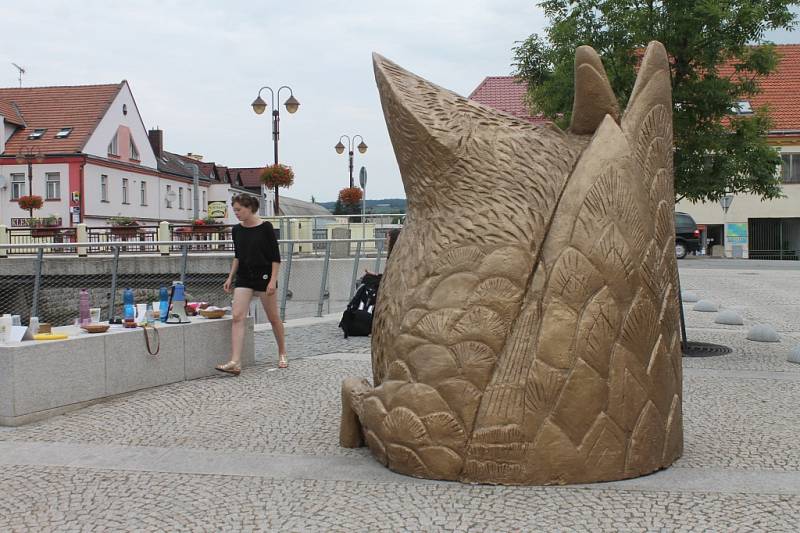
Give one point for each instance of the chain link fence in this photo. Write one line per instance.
(48, 284)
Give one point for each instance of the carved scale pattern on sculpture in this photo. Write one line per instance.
(527, 324)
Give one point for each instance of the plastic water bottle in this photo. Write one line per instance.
(129, 311)
(163, 304)
(83, 307)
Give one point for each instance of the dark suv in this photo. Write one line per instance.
(687, 236)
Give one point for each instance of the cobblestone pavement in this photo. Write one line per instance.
(259, 452)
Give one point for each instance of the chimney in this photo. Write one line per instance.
(196, 157)
(156, 141)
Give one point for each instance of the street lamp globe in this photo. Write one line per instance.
(291, 104)
(362, 148)
(339, 148)
(259, 105)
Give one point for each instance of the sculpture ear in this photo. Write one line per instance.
(594, 98)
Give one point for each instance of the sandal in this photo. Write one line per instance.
(282, 363)
(230, 368)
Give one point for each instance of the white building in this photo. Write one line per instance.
(86, 152)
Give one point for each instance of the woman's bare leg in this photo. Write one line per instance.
(241, 304)
(270, 303)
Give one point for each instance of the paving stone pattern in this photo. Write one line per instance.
(740, 470)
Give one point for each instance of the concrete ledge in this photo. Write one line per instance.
(42, 379)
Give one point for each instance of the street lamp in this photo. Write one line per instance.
(29, 155)
(725, 202)
(362, 149)
(259, 106)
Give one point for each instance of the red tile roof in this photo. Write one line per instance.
(251, 176)
(79, 107)
(506, 94)
(10, 113)
(778, 90)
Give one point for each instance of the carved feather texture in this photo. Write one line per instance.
(529, 335)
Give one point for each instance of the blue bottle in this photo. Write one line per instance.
(128, 308)
(163, 304)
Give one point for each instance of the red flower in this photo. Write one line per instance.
(350, 195)
(30, 202)
(277, 176)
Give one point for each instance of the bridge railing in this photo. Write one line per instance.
(46, 279)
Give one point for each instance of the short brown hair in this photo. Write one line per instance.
(245, 200)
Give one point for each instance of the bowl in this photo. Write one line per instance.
(217, 313)
(95, 328)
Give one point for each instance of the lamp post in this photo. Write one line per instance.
(362, 149)
(29, 155)
(259, 106)
(725, 202)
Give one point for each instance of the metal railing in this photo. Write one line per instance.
(47, 286)
(309, 232)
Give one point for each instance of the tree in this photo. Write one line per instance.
(717, 55)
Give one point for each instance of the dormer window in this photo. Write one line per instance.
(112, 146)
(63, 133)
(134, 151)
(38, 133)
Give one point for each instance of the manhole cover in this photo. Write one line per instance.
(704, 349)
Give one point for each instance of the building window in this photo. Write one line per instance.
(125, 190)
(143, 191)
(180, 197)
(169, 190)
(103, 188)
(37, 133)
(203, 203)
(53, 191)
(18, 187)
(790, 168)
(134, 151)
(112, 146)
(63, 133)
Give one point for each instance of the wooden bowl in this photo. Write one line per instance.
(217, 313)
(95, 328)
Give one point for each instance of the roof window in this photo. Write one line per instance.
(63, 133)
(38, 133)
(743, 107)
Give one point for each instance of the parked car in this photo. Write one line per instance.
(687, 236)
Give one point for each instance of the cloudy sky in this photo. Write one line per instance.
(195, 67)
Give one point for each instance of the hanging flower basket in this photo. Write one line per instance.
(277, 176)
(350, 195)
(29, 203)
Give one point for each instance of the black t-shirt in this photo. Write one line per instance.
(256, 248)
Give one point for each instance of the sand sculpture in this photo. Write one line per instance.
(527, 327)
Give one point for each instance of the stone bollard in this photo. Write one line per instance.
(163, 235)
(4, 239)
(689, 297)
(729, 317)
(704, 306)
(763, 333)
(81, 235)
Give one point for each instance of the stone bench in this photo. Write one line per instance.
(39, 379)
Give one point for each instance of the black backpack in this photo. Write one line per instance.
(357, 318)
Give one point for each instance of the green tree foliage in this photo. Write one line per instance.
(717, 54)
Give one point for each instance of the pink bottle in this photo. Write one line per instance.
(83, 307)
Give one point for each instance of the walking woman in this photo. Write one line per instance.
(254, 270)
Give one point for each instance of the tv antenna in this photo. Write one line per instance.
(21, 72)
